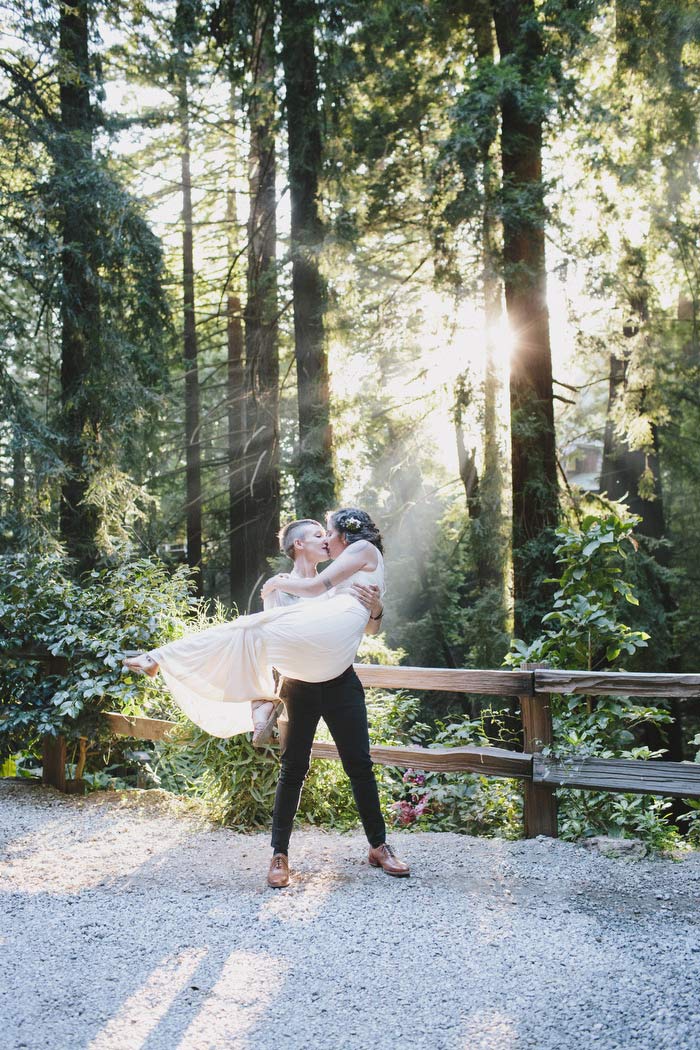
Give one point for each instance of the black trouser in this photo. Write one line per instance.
(341, 704)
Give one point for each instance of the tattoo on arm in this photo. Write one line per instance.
(328, 585)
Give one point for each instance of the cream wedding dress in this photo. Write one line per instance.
(214, 675)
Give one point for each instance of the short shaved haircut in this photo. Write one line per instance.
(295, 530)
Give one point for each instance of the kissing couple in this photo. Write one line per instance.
(223, 678)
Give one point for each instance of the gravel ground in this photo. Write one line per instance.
(127, 921)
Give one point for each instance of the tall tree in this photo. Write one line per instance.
(491, 548)
(246, 35)
(82, 310)
(185, 29)
(262, 353)
(315, 488)
(534, 475)
(233, 28)
(633, 474)
(81, 350)
(236, 397)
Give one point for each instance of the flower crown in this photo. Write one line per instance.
(351, 525)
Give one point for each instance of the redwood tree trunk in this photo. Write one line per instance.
(262, 355)
(236, 420)
(80, 305)
(535, 499)
(193, 454)
(492, 548)
(315, 476)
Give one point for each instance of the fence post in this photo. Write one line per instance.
(54, 762)
(540, 804)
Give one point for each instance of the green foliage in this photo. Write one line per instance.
(133, 605)
(374, 649)
(586, 813)
(467, 615)
(84, 318)
(236, 779)
(584, 630)
(425, 801)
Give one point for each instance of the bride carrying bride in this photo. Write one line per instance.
(215, 675)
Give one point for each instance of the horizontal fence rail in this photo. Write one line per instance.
(617, 683)
(138, 727)
(530, 685)
(491, 683)
(489, 761)
(676, 779)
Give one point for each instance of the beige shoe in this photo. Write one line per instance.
(142, 663)
(384, 857)
(278, 875)
(262, 733)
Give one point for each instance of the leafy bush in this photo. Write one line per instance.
(586, 813)
(238, 781)
(586, 631)
(133, 605)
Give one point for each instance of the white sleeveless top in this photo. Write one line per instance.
(366, 577)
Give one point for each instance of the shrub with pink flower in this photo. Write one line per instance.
(416, 801)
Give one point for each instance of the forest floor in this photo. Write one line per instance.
(128, 921)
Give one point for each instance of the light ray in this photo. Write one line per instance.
(142, 1012)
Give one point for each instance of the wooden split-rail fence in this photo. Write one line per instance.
(541, 772)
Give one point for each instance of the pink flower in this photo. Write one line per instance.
(405, 813)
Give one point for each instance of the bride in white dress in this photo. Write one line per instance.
(213, 676)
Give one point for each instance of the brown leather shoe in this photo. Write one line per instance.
(384, 857)
(278, 875)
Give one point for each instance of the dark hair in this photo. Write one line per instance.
(356, 525)
(292, 532)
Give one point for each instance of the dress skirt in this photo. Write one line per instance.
(214, 675)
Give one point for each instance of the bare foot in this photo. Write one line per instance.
(143, 664)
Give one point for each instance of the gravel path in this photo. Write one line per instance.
(127, 921)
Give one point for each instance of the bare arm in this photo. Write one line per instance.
(353, 559)
(370, 596)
